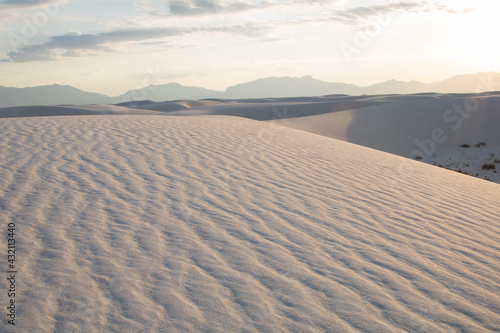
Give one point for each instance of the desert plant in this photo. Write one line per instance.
(479, 144)
(419, 158)
(489, 166)
(465, 145)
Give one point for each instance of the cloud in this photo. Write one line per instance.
(20, 3)
(190, 8)
(76, 44)
(208, 7)
(350, 16)
(71, 42)
(33, 53)
(29, 3)
(359, 15)
(77, 40)
(4, 58)
(146, 8)
(187, 8)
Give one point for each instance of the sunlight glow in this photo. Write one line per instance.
(473, 38)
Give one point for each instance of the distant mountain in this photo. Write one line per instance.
(396, 87)
(479, 82)
(167, 92)
(472, 83)
(261, 88)
(49, 95)
(308, 86)
(289, 87)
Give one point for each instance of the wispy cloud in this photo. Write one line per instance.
(358, 16)
(19, 3)
(77, 44)
(29, 3)
(185, 8)
(147, 8)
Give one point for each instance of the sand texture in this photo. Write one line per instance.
(144, 223)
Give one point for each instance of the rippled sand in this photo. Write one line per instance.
(222, 224)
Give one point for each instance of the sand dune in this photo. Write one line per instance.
(427, 126)
(224, 224)
(431, 127)
(393, 127)
(70, 110)
(265, 109)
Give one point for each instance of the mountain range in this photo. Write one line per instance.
(267, 87)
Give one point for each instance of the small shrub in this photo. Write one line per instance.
(479, 144)
(465, 145)
(489, 166)
(419, 158)
(496, 161)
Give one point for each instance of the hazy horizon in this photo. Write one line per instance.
(485, 83)
(111, 47)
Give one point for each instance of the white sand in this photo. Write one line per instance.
(399, 124)
(406, 126)
(223, 224)
(70, 110)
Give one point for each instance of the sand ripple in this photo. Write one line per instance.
(220, 224)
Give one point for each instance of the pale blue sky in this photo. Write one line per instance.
(111, 46)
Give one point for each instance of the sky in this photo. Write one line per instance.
(112, 46)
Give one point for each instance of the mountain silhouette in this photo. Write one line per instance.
(49, 95)
(262, 88)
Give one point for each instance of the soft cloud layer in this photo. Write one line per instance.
(204, 7)
(359, 15)
(29, 3)
(188, 8)
(78, 44)
(19, 3)
(207, 7)
(352, 15)
(72, 41)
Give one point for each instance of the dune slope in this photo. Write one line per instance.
(223, 224)
(70, 110)
(432, 128)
